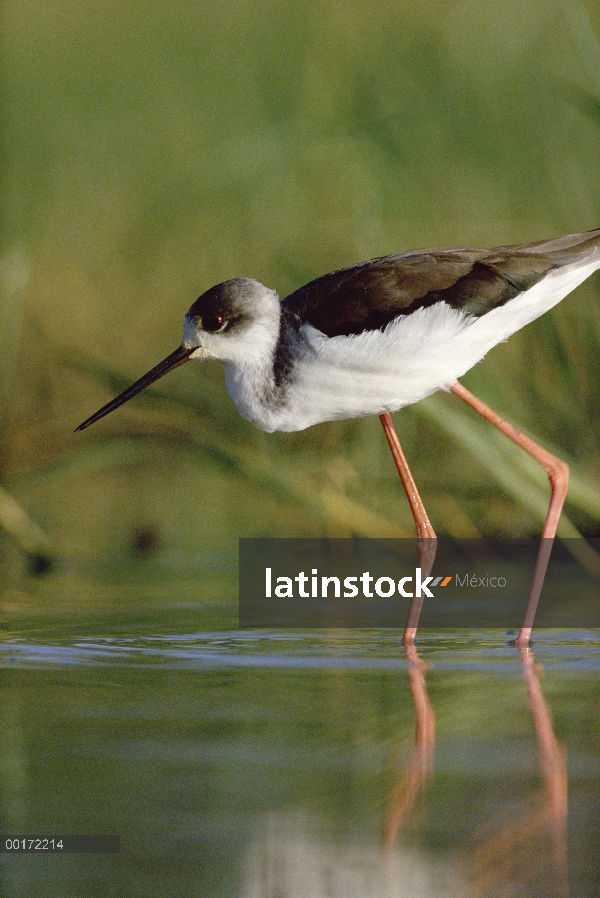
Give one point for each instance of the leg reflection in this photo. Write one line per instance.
(523, 850)
(420, 766)
(553, 767)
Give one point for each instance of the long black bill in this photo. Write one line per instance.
(177, 358)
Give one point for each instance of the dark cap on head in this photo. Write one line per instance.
(232, 301)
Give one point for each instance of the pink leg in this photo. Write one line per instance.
(424, 528)
(426, 538)
(558, 474)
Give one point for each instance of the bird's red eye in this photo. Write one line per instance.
(213, 323)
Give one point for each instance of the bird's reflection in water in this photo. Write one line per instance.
(520, 852)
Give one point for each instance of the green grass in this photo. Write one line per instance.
(151, 149)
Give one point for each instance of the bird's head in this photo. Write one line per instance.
(236, 322)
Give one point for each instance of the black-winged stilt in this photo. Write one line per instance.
(372, 338)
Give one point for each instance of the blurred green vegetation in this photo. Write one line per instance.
(153, 148)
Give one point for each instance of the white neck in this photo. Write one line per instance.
(249, 367)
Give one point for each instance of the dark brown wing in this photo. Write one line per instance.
(370, 295)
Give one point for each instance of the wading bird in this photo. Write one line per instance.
(374, 337)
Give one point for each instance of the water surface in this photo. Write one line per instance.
(256, 764)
